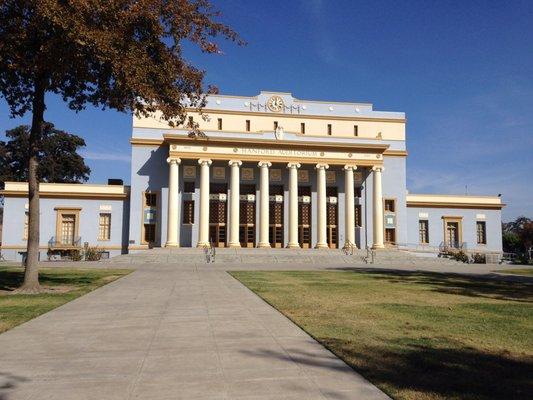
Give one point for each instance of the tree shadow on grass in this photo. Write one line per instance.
(486, 286)
(423, 371)
(9, 383)
(13, 278)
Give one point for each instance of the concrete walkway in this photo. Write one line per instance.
(168, 332)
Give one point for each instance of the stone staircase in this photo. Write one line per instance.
(228, 256)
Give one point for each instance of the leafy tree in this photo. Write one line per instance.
(518, 236)
(122, 54)
(58, 159)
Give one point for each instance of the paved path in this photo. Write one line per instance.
(167, 332)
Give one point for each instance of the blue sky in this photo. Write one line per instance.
(462, 71)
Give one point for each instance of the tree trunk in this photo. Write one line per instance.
(31, 273)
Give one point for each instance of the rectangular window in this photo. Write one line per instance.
(188, 187)
(302, 128)
(26, 223)
(357, 215)
(329, 129)
(150, 199)
(355, 130)
(358, 192)
(247, 125)
(188, 212)
(275, 125)
(220, 124)
(423, 231)
(104, 228)
(389, 205)
(481, 228)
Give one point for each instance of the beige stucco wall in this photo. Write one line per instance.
(314, 125)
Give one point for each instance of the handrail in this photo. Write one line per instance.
(210, 252)
(54, 242)
(348, 248)
(370, 256)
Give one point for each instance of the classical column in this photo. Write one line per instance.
(203, 226)
(378, 209)
(293, 204)
(173, 200)
(322, 242)
(235, 200)
(349, 223)
(264, 204)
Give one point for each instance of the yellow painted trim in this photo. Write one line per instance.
(146, 142)
(480, 206)
(87, 196)
(395, 153)
(283, 144)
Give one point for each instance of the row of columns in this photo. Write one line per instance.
(203, 229)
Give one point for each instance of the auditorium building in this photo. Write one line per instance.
(269, 171)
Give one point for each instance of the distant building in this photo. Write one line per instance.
(273, 171)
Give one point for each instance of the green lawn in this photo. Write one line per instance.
(518, 271)
(68, 284)
(415, 335)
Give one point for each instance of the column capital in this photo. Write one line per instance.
(172, 160)
(379, 168)
(349, 167)
(231, 163)
(205, 161)
(294, 165)
(322, 166)
(266, 164)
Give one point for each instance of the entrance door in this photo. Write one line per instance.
(275, 216)
(217, 214)
(452, 234)
(247, 216)
(332, 228)
(304, 216)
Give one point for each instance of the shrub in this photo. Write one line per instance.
(92, 254)
(76, 255)
(460, 256)
(479, 258)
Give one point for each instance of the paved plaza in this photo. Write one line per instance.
(176, 331)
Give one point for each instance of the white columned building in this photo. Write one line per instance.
(293, 205)
(378, 208)
(264, 204)
(234, 216)
(349, 211)
(173, 201)
(321, 207)
(203, 228)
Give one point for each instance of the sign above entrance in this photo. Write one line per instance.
(274, 154)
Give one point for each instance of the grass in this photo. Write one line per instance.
(518, 271)
(68, 284)
(415, 335)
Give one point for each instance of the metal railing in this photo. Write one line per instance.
(370, 256)
(54, 242)
(210, 252)
(446, 248)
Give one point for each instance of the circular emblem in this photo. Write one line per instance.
(378, 156)
(350, 155)
(275, 104)
(235, 150)
(205, 148)
(322, 154)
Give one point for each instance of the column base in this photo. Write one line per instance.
(349, 244)
(378, 247)
(203, 244)
(263, 245)
(234, 245)
(323, 246)
(293, 246)
(172, 244)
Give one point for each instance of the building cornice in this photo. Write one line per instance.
(454, 201)
(68, 190)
